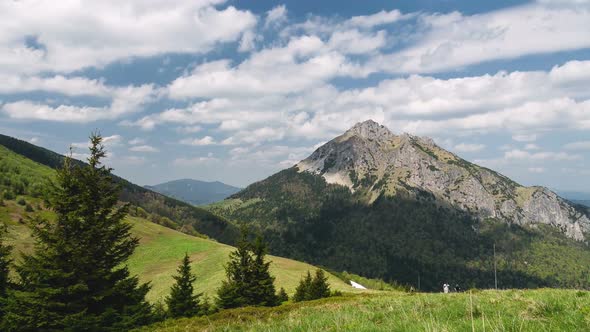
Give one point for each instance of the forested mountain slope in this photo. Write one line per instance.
(401, 208)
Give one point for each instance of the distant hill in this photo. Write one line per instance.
(194, 191)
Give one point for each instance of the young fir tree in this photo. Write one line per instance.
(77, 279)
(182, 301)
(249, 282)
(302, 290)
(319, 287)
(282, 296)
(206, 307)
(233, 292)
(262, 284)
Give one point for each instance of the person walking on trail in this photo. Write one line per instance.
(457, 288)
(446, 288)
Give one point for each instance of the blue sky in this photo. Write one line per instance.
(237, 90)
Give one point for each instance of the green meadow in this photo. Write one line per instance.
(160, 252)
(161, 249)
(507, 310)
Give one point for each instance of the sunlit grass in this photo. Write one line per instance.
(511, 310)
(161, 250)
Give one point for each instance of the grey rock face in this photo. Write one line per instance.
(370, 157)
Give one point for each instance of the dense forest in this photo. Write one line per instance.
(417, 242)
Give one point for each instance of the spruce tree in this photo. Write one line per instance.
(302, 290)
(262, 284)
(319, 287)
(206, 307)
(77, 279)
(182, 301)
(249, 282)
(282, 296)
(233, 292)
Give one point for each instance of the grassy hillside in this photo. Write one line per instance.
(512, 310)
(15, 153)
(160, 252)
(22, 186)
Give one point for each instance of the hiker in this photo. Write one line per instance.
(457, 288)
(446, 288)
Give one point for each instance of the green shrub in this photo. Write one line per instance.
(8, 195)
(312, 289)
(29, 208)
(21, 201)
(283, 297)
(159, 312)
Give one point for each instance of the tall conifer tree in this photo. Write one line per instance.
(302, 290)
(319, 287)
(233, 292)
(262, 283)
(249, 282)
(183, 302)
(77, 279)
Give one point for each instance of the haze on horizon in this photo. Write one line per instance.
(237, 90)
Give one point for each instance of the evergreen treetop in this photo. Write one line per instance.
(249, 282)
(233, 292)
(76, 278)
(263, 287)
(302, 290)
(312, 288)
(282, 295)
(182, 301)
(319, 287)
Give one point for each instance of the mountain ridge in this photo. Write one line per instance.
(382, 206)
(371, 157)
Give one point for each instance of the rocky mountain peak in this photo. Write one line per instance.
(371, 158)
(370, 129)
